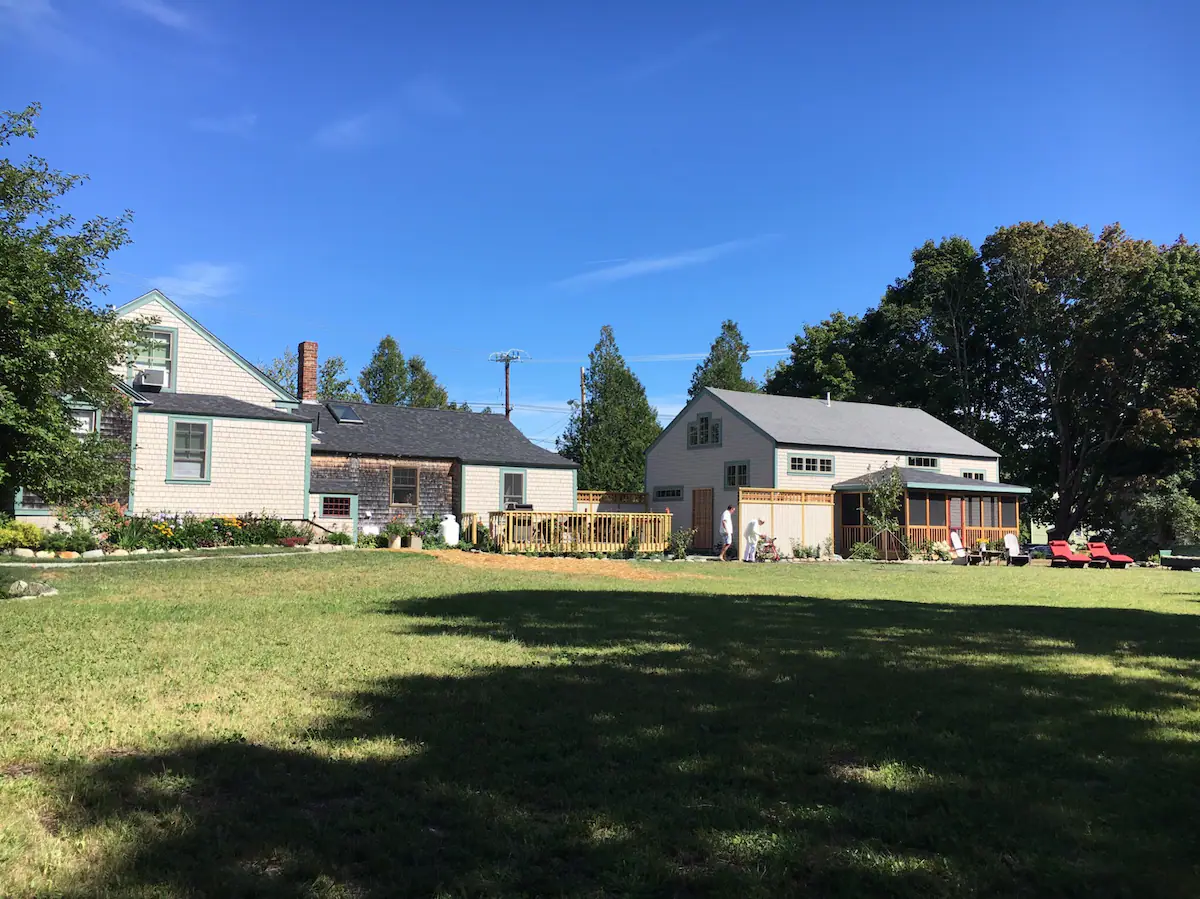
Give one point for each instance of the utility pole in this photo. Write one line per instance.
(508, 357)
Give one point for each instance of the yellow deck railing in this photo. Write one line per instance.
(585, 532)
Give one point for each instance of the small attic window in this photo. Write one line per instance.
(344, 414)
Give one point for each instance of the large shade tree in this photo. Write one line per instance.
(1068, 353)
(391, 379)
(609, 436)
(58, 348)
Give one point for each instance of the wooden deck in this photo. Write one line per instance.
(585, 532)
(919, 534)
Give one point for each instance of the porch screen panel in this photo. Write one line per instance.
(850, 511)
(917, 508)
(991, 517)
(937, 510)
(956, 517)
(1008, 512)
(973, 512)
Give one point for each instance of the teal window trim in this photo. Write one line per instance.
(937, 462)
(321, 497)
(20, 510)
(174, 369)
(976, 474)
(173, 420)
(462, 489)
(655, 498)
(812, 474)
(133, 429)
(524, 473)
(695, 422)
(725, 474)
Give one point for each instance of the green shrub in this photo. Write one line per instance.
(367, 541)
(20, 535)
(337, 538)
(79, 540)
(427, 530)
(633, 546)
(864, 552)
(679, 541)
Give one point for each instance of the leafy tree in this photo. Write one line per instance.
(610, 435)
(392, 380)
(822, 361)
(424, 390)
(333, 384)
(55, 343)
(384, 380)
(722, 368)
(283, 370)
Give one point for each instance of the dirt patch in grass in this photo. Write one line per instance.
(18, 769)
(595, 567)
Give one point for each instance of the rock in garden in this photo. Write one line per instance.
(93, 554)
(30, 588)
(43, 554)
(141, 551)
(68, 554)
(22, 553)
(119, 552)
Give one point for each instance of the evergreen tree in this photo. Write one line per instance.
(55, 342)
(424, 390)
(610, 435)
(723, 366)
(384, 380)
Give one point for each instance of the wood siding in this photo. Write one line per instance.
(372, 476)
(852, 463)
(670, 463)
(202, 367)
(546, 489)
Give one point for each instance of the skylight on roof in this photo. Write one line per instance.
(344, 414)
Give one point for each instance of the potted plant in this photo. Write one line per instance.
(395, 531)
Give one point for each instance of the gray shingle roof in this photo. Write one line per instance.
(923, 478)
(331, 485)
(206, 404)
(476, 438)
(864, 426)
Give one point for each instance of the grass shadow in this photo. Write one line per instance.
(699, 745)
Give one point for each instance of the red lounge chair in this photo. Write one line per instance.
(1101, 553)
(1062, 554)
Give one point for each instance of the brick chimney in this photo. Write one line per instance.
(307, 375)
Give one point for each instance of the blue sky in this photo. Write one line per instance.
(471, 177)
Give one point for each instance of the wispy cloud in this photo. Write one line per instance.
(240, 125)
(428, 95)
(37, 22)
(348, 133)
(423, 97)
(653, 265)
(196, 282)
(669, 59)
(161, 12)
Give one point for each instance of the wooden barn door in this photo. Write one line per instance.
(702, 510)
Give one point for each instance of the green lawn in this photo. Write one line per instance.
(367, 724)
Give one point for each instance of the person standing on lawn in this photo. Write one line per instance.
(727, 529)
(753, 532)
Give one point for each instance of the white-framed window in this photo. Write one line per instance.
(335, 507)
(737, 474)
(662, 494)
(189, 451)
(973, 475)
(155, 352)
(799, 464)
(513, 489)
(406, 481)
(85, 421)
(922, 462)
(704, 431)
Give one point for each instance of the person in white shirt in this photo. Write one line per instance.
(753, 532)
(727, 530)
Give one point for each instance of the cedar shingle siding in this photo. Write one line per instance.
(373, 480)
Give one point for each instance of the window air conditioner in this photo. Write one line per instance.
(153, 378)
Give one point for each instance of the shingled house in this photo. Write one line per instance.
(371, 463)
